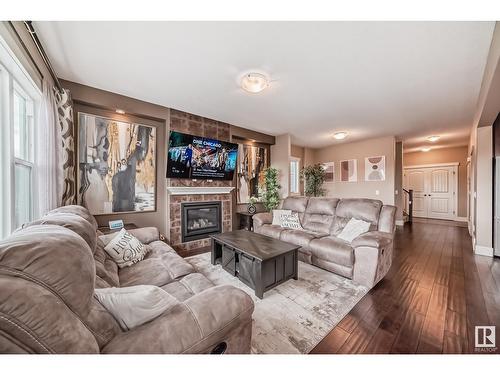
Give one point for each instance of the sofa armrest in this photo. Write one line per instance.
(374, 239)
(145, 235)
(372, 257)
(219, 314)
(262, 218)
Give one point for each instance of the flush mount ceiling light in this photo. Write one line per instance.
(120, 111)
(426, 149)
(254, 82)
(340, 135)
(433, 138)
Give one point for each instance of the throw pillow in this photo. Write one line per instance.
(291, 221)
(277, 216)
(125, 249)
(338, 224)
(353, 229)
(135, 305)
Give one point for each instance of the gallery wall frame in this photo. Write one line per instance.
(375, 168)
(348, 170)
(153, 124)
(329, 168)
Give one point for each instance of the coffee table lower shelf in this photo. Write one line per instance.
(260, 275)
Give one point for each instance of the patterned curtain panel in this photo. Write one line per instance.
(65, 114)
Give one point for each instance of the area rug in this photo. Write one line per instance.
(294, 316)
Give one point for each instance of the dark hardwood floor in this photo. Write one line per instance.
(436, 292)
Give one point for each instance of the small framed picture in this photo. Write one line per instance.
(329, 168)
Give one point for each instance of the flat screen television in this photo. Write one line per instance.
(190, 156)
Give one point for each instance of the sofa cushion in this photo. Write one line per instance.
(333, 249)
(273, 231)
(105, 267)
(188, 286)
(77, 210)
(360, 208)
(71, 221)
(157, 271)
(319, 214)
(338, 225)
(300, 237)
(296, 204)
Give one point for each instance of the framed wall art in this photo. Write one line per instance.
(329, 171)
(375, 168)
(349, 170)
(252, 160)
(116, 165)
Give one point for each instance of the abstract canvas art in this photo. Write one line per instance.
(252, 160)
(329, 171)
(349, 170)
(375, 168)
(116, 165)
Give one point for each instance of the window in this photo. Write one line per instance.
(294, 176)
(19, 100)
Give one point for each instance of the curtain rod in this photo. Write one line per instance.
(44, 56)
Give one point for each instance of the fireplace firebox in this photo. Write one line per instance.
(200, 219)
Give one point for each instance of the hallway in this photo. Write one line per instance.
(436, 292)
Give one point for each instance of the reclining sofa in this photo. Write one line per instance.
(48, 272)
(365, 260)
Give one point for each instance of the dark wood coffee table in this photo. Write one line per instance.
(259, 261)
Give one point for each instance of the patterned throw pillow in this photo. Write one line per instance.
(277, 216)
(291, 221)
(125, 249)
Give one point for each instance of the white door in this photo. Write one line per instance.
(434, 191)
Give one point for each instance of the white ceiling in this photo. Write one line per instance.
(408, 79)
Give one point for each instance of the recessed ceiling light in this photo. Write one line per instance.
(254, 82)
(433, 138)
(426, 149)
(340, 135)
(120, 111)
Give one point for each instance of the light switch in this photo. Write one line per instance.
(377, 192)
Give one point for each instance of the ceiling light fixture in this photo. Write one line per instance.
(426, 149)
(254, 82)
(433, 138)
(340, 135)
(120, 111)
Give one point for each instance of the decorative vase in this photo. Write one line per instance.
(251, 208)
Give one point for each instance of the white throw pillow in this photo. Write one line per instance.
(135, 305)
(291, 221)
(353, 229)
(125, 249)
(277, 216)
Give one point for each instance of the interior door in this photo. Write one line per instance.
(441, 193)
(415, 179)
(434, 190)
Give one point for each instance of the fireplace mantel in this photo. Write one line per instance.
(189, 190)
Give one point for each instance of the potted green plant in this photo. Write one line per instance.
(314, 177)
(270, 194)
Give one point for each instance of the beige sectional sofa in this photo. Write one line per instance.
(366, 260)
(50, 268)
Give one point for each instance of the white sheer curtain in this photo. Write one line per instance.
(49, 160)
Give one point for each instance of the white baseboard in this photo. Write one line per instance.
(483, 250)
(461, 218)
(400, 223)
